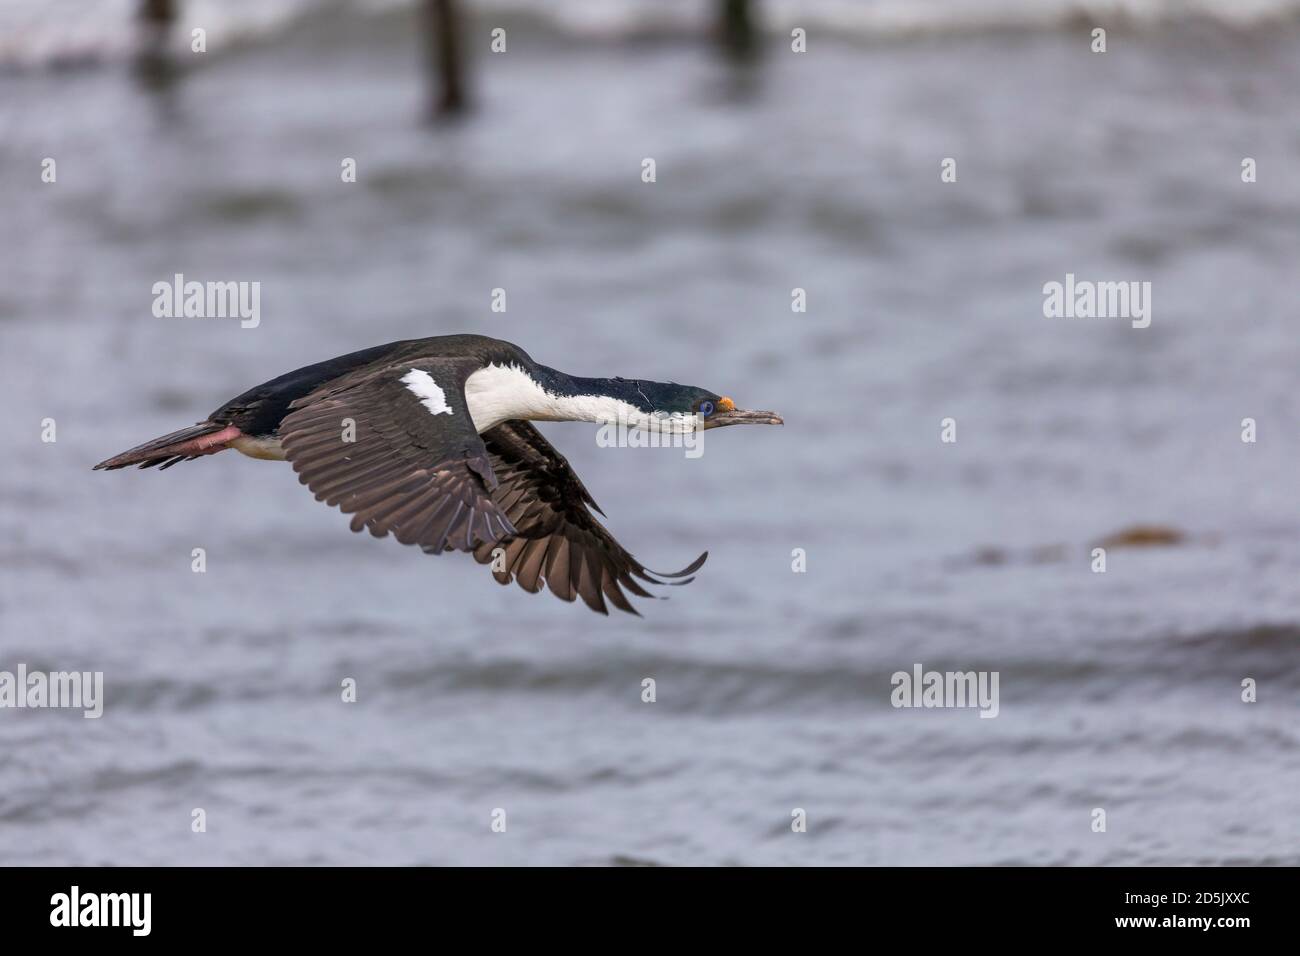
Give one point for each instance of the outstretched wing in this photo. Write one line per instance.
(558, 540)
(395, 447)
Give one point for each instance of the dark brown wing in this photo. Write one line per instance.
(559, 540)
(423, 475)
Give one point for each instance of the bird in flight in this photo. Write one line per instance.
(432, 440)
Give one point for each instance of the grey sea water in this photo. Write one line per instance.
(1119, 691)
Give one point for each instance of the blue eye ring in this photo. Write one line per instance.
(706, 408)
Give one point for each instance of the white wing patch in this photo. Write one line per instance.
(423, 386)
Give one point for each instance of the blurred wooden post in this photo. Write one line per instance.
(446, 66)
(736, 28)
(158, 12)
(156, 18)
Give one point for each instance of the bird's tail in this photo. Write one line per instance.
(205, 438)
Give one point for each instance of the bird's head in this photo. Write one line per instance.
(687, 401)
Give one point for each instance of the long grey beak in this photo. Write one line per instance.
(739, 416)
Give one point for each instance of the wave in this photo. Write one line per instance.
(1112, 668)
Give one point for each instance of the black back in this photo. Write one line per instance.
(260, 410)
